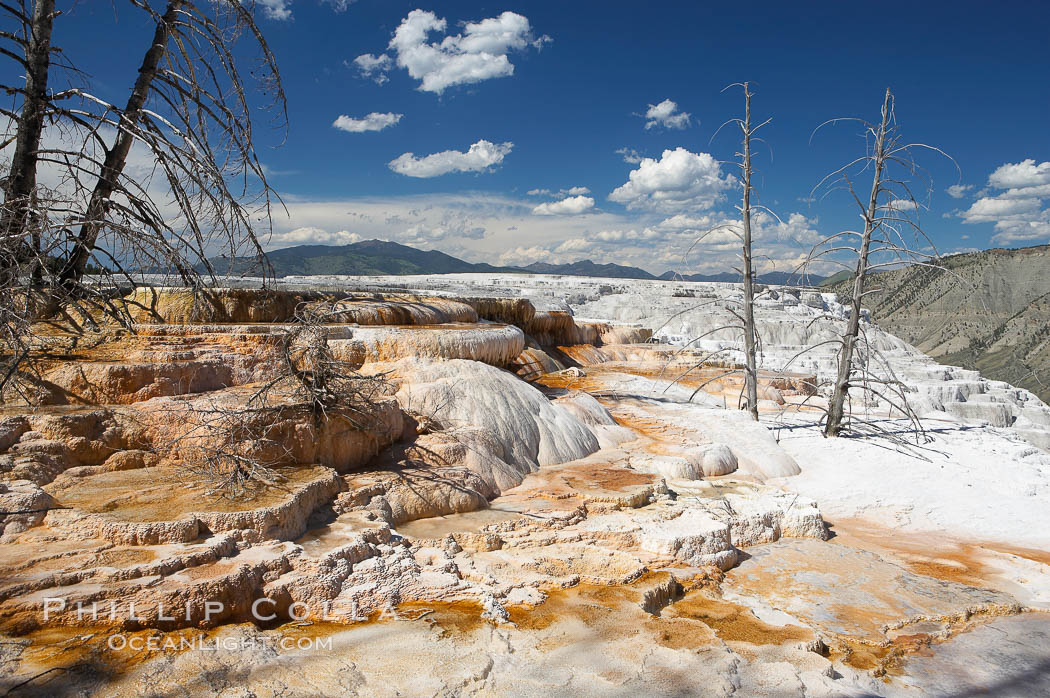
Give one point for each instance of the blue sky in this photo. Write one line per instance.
(554, 97)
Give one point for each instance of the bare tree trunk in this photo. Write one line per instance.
(750, 359)
(871, 222)
(117, 156)
(745, 317)
(21, 181)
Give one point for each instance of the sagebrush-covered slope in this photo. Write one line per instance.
(987, 310)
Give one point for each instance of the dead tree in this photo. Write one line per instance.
(233, 450)
(189, 112)
(238, 450)
(312, 376)
(198, 191)
(750, 334)
(35, 43)
(743, 232)
(891, 236)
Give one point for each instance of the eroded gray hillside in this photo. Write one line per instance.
(989, 310)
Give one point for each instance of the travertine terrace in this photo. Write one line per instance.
(549, 501)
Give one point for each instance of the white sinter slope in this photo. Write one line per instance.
(985, 475)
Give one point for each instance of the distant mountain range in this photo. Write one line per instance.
(367, 258)
(588, 268)
(377, 257)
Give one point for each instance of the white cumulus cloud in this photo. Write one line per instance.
(678, 180)
(373, 67)
(372, 122)
(903, 205)
(630, 155)
(1022, 174)
(990, 209)
(1019, 212)
(451, 225)
(340, 5)
(666, 114)
(570, 206)
(480, 157)
(571, 191)
(526, 255)
(276, 9)
(958, 191)
(310, 235)
(281, 9)
(574, 245)
(615, 235)
(479, 53)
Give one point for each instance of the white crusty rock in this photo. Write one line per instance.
(392, 311)
(487, 342)
(24, 505)
(533, 362)
(694, 538)
(296, 437)
(667, 466)
(529, 429)
(695, 463)
(109, 383)
(716, 459)
(11, 430)
(757, 452)
(160, 505)
(765, 518)
(590, 412)
(689, 534)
